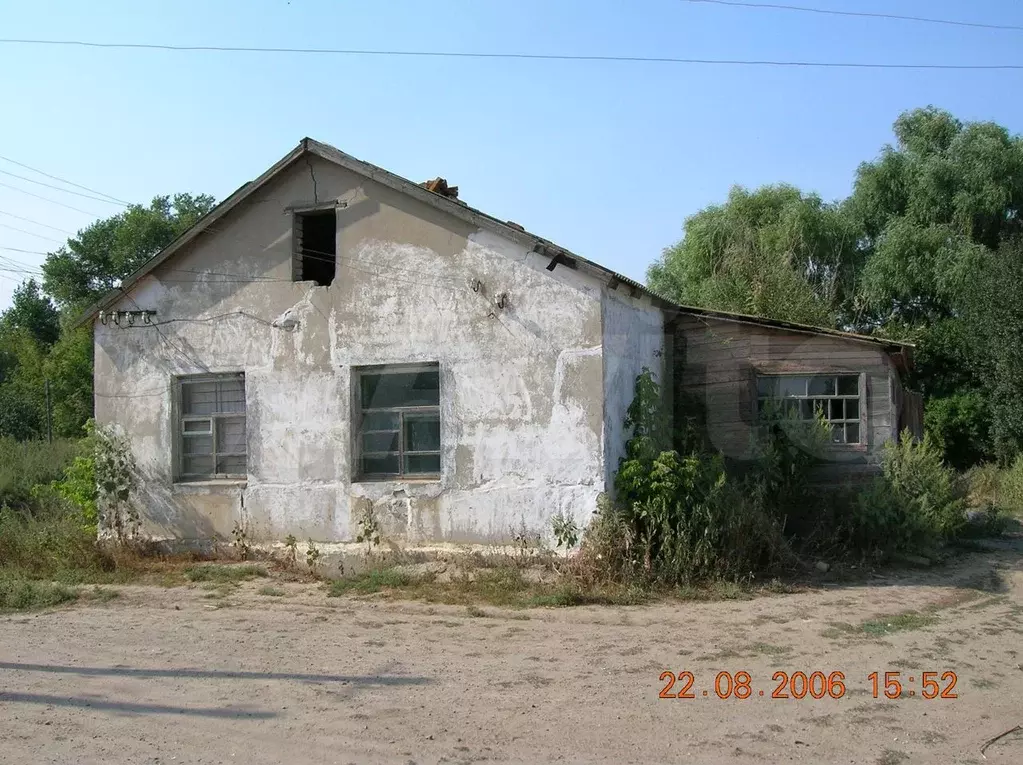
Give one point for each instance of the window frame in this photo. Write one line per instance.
(359, 413)
(215, 420)
(860, 397)
(298, 252)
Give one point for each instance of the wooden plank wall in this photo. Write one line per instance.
(722, 358)
(912, 413)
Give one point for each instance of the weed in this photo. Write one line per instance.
(116, 478)
(26, 594)
(240, 540)
(566, 531)
(892, 757)
(290, 551)
(528, 544)
(368, 582)
(217, 572)
(766, 649)
(25, 464)
(559, 598)
(505, 587)
(880, 626)
(54, 544)
(906, 664)
(102, 594)
(908, 620)
(369, 529)
(839, 629)
(719, 589)
(778, 587)
(312, 555)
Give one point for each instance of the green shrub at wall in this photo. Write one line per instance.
(679, 518)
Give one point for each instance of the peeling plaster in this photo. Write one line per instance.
(524, 431)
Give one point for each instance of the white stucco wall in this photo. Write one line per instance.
(633, 338)
(523, 427)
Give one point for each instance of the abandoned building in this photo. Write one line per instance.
(333, 339)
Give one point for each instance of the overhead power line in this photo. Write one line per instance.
(521, 56)
(62, 180)
(29, 252)
(65, 191)
(31, 233)
(37, 223)
(51, 201)
(861, 14)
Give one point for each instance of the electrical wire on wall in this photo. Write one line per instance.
(390, 272)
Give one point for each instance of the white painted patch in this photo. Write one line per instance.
(521, 389)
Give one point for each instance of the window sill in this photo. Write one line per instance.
(186, 486)
(847, 448)
(419, 479)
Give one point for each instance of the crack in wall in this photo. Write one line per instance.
(312, 175)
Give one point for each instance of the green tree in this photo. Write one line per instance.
(33, 312)
(68, 367)
(110, 249)
(994, 319)
(773, 252)
(22, 385)
(932, 210)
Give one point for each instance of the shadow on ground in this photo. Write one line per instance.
(216, 674)
(129, 707)
(982, 567)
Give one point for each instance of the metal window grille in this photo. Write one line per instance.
(211, 426)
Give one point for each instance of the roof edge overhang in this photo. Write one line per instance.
(460, 210)
(190, 235)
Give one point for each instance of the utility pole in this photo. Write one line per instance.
(49, 415)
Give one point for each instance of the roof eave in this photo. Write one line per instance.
(218, 212)
(894, 346)
(611, 279)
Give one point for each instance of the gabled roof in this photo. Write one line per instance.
(453, 206)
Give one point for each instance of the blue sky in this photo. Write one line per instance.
(607, 159)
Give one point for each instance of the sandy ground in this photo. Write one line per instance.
(171, 676)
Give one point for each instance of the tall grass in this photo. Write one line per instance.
(991, 486)
(27, 464)
(50, 543)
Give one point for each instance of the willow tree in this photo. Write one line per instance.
(773, 252)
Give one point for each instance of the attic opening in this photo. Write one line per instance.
(315, 251)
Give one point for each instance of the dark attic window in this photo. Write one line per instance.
(315, 247)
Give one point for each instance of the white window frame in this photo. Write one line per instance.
(213, 422)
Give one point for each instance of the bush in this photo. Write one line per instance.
(1010, 490)
(683, 518)
(959, 426)
(999, 488)
(915, 505)
(78, 489)
(680, 518)
(50, 544)
(930, 491)
(26, 464)
(21, 594)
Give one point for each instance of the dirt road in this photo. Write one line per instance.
(170, 676)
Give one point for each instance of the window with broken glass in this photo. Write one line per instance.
(837, 398)
(398, 415)
(211, 426)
